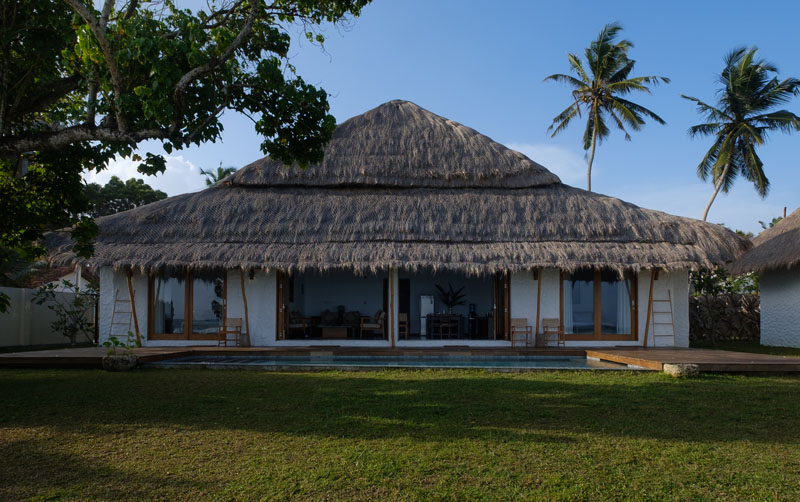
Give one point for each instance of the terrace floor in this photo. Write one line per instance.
(650, 358)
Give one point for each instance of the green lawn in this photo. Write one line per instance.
(415, 435)
(748, 347)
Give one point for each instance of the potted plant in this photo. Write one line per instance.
(451, 297)
(119, 355)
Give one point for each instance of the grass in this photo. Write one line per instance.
(408, 435)
(748, 347)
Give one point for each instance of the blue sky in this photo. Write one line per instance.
(482, 63)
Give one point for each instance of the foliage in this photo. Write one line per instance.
(116, 196)
(397, 435)
(771, 223)
(213, 177)
(718, 281)
(599, 90)
(742, 119)
(451, 297)
(71, 314)
(113, 344)
(80, 86)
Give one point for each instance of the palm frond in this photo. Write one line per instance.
(641, 110)
(565, 79)
(562, 120)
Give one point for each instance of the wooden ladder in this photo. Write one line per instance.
(122, 308)
(666, 319)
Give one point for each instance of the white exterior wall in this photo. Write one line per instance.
(780, 308)
(110, 283)
(261, 293)
(523, 304)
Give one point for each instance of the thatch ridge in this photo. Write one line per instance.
(401, 144)
(476, 231)
(774, 248)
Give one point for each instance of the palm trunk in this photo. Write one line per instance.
(591, 159)
(717, 187)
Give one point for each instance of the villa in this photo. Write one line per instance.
(776, 256)
(350, 252)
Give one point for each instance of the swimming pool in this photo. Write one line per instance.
(351, 362)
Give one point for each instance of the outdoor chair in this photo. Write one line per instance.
(373, 324)
(402, 325)
(297, 322)
(521, 331)
(552, 330)
(230, 331)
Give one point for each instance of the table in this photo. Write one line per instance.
(334, 332)
(445, 325)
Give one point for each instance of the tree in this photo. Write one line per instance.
(215, 176)
(741, 121)
(599, 92)
(118, 196)
(80, 86)
(774, 221)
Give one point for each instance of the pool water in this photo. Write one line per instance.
(328, 361)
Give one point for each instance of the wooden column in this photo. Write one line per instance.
(538, 302)
(244, 302)
(129, 280)
(392, 313)
(653, 274)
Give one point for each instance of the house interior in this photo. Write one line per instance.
(343, 305)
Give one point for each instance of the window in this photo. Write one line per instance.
(186, 306)
(598, 305)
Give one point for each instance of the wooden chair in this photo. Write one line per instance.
(521, 330)
(553, 331)
(402, 325)
(230, 331)
(373, 324)
(297, 322)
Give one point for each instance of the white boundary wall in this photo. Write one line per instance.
(29, 324)
(780, 308)
(261, 303)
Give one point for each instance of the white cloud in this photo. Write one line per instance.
(566, 164)
(180, 177)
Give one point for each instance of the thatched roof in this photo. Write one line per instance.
(775, 248)
(403, 187)
(401, 144)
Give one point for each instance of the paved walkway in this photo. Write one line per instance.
(651, 358)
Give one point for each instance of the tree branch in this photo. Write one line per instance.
(99, 33)
(201, 71)
(106, 13)
(54, 140)
(38, 103)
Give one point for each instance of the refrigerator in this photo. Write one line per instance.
(425, 308)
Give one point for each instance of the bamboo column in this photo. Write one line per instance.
(244, 302)
(538, 303)
(653, 274)
(129, 280)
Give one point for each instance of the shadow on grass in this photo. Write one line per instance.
(425, 405)
(33, 466)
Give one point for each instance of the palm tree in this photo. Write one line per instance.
(216, 176)
(599, 92)
(741, 121)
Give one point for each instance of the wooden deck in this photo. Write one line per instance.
(654, 359)
(708, 360)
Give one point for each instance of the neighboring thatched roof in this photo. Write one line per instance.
(775, 248)
(402, 187)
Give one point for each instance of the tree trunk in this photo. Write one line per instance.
(717, 187)
(591, 159)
